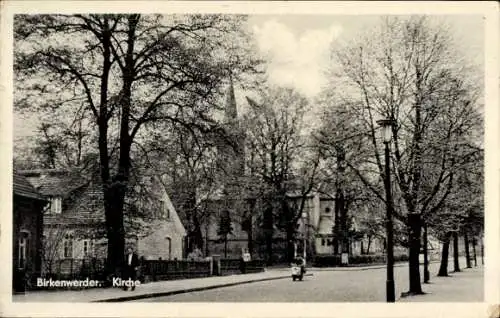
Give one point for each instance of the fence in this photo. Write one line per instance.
(155, 270)
(149, 270)
(71, 268)
(236, 266)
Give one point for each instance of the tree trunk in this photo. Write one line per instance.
(414, 262)
(290, 245)
(482, 252)
(114, 196)
(343, 225)
(115, 193)
(443, 269)
(113, 226)
(225, 246)
(197, 233)
(194, 231)
(414, 221)
(249, 227)
(456, 264)
(474, 242)
(268, 233)
(467, 252)
(250, 241)
(336, 226)
(369, 243)
(207, 222)
(426, 256)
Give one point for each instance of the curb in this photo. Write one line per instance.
(362, 268)
(188, 290)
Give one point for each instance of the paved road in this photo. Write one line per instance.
(334, 286)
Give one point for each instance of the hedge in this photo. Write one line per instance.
(335, 260)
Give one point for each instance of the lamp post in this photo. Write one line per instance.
(386, 125)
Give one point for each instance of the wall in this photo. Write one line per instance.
(27, 216)
(156, 244)
(327, 247)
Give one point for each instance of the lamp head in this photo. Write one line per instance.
(386, 125)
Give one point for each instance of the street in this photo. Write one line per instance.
(340, 285)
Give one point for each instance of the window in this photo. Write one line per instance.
(163, 209)
(55, 205)
(68, 246)
(169, 247)
(22, 252)
(88, 248)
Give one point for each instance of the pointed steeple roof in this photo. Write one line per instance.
(231, 113)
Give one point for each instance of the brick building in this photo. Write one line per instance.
(27, 231)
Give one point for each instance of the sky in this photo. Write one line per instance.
(297, 47)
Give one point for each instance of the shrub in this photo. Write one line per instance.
(326, 260)
(335, 260)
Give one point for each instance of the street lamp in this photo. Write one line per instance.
(387, 125)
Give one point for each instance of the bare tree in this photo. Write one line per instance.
(283, 160)
(404, 71)
(130, 72)
(53, 239)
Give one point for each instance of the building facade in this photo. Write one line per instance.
(315, 233)
(74, 228)
(27, 231)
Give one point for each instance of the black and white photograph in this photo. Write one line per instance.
(241, 157)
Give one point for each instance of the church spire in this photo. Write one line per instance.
(231, 113)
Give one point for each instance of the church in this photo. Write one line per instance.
(234, 220)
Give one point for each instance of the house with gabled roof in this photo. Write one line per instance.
(74, 223)
(27, 230)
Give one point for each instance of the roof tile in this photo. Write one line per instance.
(23, 187)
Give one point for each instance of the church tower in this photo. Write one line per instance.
(232, 150)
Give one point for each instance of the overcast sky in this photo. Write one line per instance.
(298, 47)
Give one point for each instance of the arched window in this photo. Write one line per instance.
(169, 247)
(68, 246)
(23, 249)
(88, 248)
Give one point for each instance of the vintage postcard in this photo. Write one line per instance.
(250, 159)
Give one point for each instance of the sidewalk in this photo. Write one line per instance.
(357, 267)
(464, 286)
(173, 287)
(149, 290)
(168, 288)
